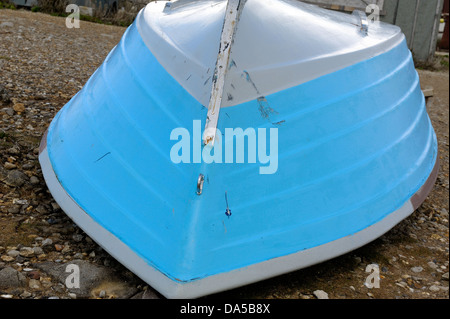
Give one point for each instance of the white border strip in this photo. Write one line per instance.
(220, 282)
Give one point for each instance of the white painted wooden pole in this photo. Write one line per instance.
(232, 14)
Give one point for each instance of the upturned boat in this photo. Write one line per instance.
(221, 143)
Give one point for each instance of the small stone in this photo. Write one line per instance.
(13, 253)
(7, 24)
(26, 252)
(72, 295)
(20, 201)
(320, 294)
(34, 284)
(35, 274)
(19, 107)
(42, 257)
(149, 293)
(9, 111)
(55, 206)
(102, 294)
(65, 249)
(77, 238)
(58, 247)
(434, 288)
(38, 251)
(14, 209)
(46, 282)
(78, 256)
(11, 278)
(41, 209)
(417, 269)
(402, 284)
(432, 265)
(27, 166)
(9, 165)
(445, 276)
(46, 242)
(16, 178)
(26, 294)
(34, 180)
(6, 258)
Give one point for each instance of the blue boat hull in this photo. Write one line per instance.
(354, 146)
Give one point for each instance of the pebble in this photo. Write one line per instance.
(16, 178)
(46, 242)
(25, 294)
(26, 252)
(34, 284)
(20, 201)
(9, 165)
(14, 209)
(6, 258)
(320, 294)
(13, 253)
(417, 269)
(445, 276)
(77, 237)
(34, 180)
(27, 166)
(4, 96)
(11, 278)
(150, 294)
(9, 111)
(34, 274)
(434, 288)
(19, 107)
(6, 24)
(38, 251)
(78, 256)
(432, 265)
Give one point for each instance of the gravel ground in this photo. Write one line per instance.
(42, 65)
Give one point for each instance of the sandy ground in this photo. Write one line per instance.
(43, 64)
